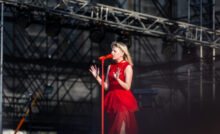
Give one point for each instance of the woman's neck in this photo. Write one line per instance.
(119, 60)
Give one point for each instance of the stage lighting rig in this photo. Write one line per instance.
(97, 34)
(53, 25)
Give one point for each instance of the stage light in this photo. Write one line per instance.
(125, 38)
(23, 19)
(169, 47)
(48, 89)
(172, 26)
(97, 34)
(53, 25)
(189, 52)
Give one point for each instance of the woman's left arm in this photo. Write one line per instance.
(128, 78)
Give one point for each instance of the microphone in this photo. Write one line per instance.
(109, 56)
(106, 57)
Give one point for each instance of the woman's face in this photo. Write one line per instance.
(117, 53)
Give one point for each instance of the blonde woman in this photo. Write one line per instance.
(119, 102)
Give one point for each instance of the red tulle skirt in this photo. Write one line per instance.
(120, 106)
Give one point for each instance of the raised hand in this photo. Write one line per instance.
(116, 75)
(94, 70)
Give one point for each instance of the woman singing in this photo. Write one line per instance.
(119, 102)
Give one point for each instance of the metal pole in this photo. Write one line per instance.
(188, 91)
(1, 66)
(201, 76)
(213, 76)
(189, 11)
(139, 5)
(201, 7)
(28, 111)
(134, 5)
(213, 16)
(213, 53)
(201, 59)
(130, 5)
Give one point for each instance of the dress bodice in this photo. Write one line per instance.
(117, 98)
(113, 84)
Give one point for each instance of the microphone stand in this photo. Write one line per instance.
(27, 112)
(103, 58)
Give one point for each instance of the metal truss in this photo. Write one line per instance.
(36, 62)
(200, 13)
(132, 21)
(166, 76)
(33, 64)
(203, 14)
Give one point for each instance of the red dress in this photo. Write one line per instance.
(119, 103)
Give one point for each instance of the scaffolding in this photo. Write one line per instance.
(43, 61)
(202, 13)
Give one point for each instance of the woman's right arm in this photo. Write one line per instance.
(95, 72)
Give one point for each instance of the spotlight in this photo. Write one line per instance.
(23, 19)
(97, 34)
(48, 89)
(125, 38)
(189, 52)
(53, 25)
(172, 25)
(169, 47)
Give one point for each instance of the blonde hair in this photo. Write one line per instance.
(123, 48)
